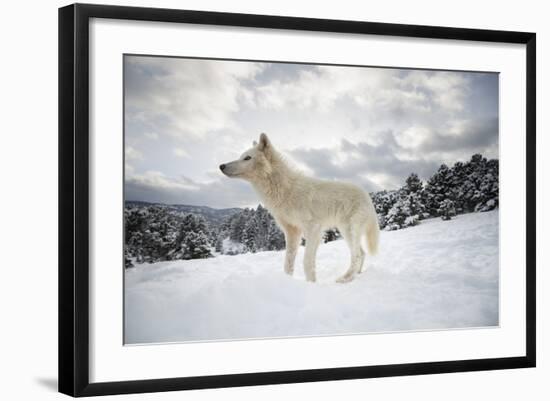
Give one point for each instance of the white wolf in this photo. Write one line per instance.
(307, 206)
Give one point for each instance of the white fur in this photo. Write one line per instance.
(305, 206)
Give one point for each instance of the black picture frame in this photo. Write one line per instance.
(74, 198)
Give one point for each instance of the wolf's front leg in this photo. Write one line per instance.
(293, 235)
(313, 238)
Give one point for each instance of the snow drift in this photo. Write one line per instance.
(438, 275)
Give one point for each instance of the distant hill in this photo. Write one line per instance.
(213, 216)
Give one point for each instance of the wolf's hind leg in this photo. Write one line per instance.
(313, 236)
(353, 239)
(362, 262)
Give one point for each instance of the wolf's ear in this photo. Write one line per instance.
(264, 143)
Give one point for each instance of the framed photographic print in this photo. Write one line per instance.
(251, 199)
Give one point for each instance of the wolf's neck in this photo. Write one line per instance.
(275, 186)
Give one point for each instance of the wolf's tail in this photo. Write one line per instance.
(372, 235)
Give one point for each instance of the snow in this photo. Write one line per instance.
(437, 275)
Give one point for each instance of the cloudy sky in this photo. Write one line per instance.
(371, 126)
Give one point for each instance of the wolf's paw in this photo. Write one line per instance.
(346, 278)
(289, 271)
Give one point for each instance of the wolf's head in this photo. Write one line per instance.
(254, 164)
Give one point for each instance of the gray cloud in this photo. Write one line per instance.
(356, 162)
(472, 136)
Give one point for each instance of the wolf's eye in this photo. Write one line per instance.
(247, 158)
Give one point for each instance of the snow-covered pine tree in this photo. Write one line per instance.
(275, 238)
(413, 184)
(395, 219)
(416, 205)
(249, 235)
(194, 222)
(438, 188)
(404, 213)
(127, 258)
(458, 183)
(193, 240)
(237, 225)
(383, 201)
(401, 208)
(446, 209)
(262, 219)
(488, 187)
(471, 186)
(152, 246)
(254, 230)
(195, 245)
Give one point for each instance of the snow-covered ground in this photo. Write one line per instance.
(438, 275)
